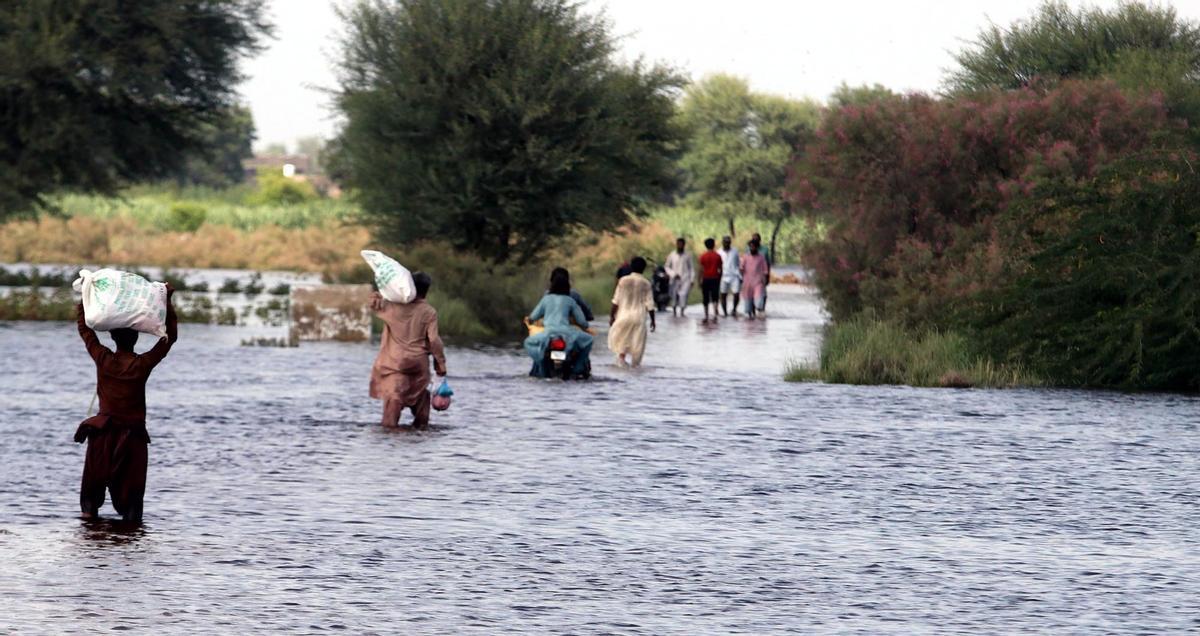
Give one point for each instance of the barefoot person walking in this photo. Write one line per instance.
(754, 279)
(627, 320)
(710, 277)
(731, 275)
(683, 273)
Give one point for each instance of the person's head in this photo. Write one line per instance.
(679, 244)
(638, 264)
(756, 237)
(726, 242)
(124, 338)
(560, 282)
(423, 282)
(754, 246)
(709, 243)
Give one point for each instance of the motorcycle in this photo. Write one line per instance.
(557, 361)
(660, 285)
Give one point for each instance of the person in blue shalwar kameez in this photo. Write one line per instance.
(556, 310)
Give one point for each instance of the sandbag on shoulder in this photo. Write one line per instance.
(394, 281)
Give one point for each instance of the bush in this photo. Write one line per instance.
(1111, 293)
(864, 350)
(909, 187)
(187, 216)
(276, 189)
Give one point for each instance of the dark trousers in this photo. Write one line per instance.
(116, 460)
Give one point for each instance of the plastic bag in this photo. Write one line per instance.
(395, 282)
(441, 396)
(113, 299)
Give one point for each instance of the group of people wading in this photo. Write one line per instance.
(722, 272)
(117, 440)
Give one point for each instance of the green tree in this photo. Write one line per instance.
(217, 162)
(97, 93)
(497, 124)
(1059, 42)
(740, 147)
(846, 95)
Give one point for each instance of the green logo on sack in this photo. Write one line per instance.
(101, 284)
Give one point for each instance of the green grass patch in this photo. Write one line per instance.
(869, 351)
(185, 210)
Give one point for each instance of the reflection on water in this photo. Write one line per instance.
(697, 495)
(101, 532)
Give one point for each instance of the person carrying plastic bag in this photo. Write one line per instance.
(400, 376)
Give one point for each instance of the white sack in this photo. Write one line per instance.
(395, 282)
(113, 299)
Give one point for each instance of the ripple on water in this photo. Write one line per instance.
(699, 495)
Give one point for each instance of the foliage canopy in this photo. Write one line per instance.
(1058, 42)
(97, 93)
(497, 125)
(740, 147)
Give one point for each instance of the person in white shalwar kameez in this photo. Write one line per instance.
(627, 320)
(682, 271)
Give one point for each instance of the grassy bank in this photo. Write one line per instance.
(871, 351)
(234, 229)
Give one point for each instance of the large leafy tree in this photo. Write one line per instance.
(740, 147)
(497, 125)
(1060, 42)
(226, 142)
(95, 93)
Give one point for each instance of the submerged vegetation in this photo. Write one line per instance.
(864, 350)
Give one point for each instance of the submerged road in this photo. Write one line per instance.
(700, 494)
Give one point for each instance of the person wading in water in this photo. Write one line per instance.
(631, 302)
(117, 438)
(400, 376)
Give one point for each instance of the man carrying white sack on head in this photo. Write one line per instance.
(116, 438)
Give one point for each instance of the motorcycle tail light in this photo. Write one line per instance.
(558, 344)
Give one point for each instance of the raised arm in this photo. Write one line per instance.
(94, 348)
(160, 348)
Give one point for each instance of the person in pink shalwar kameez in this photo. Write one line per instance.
(754, 278)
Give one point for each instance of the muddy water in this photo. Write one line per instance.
(699, 495)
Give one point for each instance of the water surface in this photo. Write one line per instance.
(698, 495)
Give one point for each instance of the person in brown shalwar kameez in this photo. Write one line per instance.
(400, 376)
(117, 438)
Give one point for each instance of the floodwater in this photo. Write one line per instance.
(698, 495)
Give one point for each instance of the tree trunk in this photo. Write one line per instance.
(774, 235)
(732, 231)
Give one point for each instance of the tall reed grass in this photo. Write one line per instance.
(866, 350)
(156, 209)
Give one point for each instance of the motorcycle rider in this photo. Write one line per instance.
(556, 310)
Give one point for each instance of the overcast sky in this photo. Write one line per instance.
(797, 48)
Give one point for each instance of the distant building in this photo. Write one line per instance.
(298, 167)
(301, 165)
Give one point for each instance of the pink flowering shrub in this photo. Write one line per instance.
(910, 188)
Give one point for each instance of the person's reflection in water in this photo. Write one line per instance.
(111, 531)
